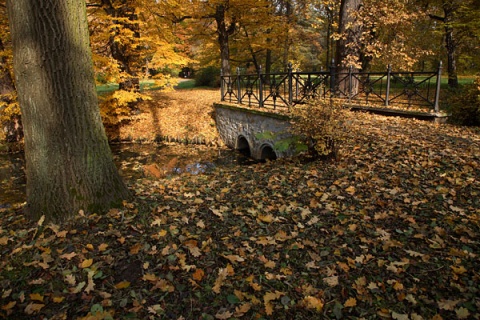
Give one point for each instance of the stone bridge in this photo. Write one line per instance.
(260, 135)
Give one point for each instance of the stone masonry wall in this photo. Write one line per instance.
(260, 129)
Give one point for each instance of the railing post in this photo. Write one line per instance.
(332, 78)
(436, 104)
(260, 88)
(222, 86)
(290, 85)
(350, 80)
(389, 75)
(239, 90)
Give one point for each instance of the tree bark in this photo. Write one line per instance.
(224, 32)
(69, 165)
(450, 45)
(349, 46)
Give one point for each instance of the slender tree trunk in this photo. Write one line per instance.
(69, 165)
(451, 46)
(224, 32)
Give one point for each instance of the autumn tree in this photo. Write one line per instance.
(69, 165)
(11, 123)
(459, 20)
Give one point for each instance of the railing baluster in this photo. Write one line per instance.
(332, 78)
(290, 85)
(239, 90)
(387, 94)
(222, 86)
(436, 104)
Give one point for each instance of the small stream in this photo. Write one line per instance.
(131, 160)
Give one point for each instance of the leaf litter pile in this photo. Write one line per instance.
(389, 231)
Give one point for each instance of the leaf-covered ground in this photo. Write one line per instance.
(389, 231)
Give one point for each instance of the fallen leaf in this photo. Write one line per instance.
(36, 297)
(351, 302)
(68, 256)
(86, 263)
(448, 304)
(122, 285)
(462, 313)
(222, 275)
(268, 298)
(399, 316)
(3, 241)
(33, 308)
(313, 303)
(9, 305)
(198, 274)
(331, 281)
(223, 314)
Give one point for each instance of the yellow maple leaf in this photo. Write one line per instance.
(86, 263)
(36, 297)
(122, 285)
(351, 302)
(102, 247)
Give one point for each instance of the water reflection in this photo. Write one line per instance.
(131, 159)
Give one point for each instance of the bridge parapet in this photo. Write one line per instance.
(256, 132)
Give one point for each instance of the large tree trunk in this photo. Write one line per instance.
(69, 165)
(348, 46)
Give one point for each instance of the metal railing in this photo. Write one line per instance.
(416, 91)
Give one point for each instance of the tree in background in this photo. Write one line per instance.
(460, 23)
(10, 120)
(69, 165)
(128, 44)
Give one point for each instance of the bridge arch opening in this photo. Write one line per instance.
(268, 153)
(243, 146)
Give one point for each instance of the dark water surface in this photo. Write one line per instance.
(131, 160)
